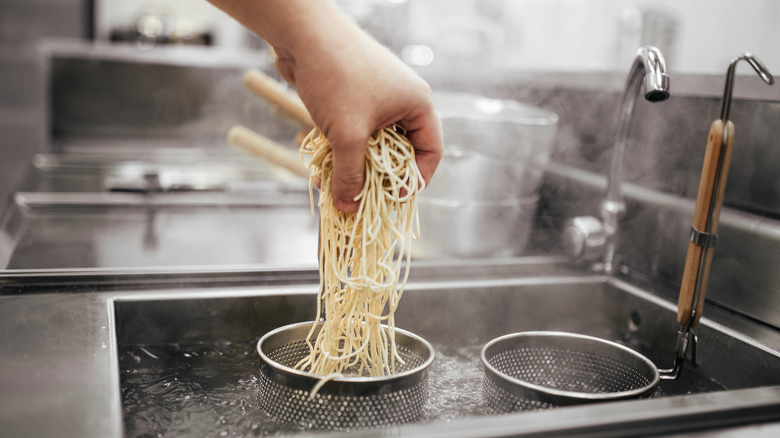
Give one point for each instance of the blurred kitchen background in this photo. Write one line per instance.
(114, 115)
(465, 37)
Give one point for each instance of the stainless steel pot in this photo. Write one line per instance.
(474, 228)
(483, 198)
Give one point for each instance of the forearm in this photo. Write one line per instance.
(290, 26)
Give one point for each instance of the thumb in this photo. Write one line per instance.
(348, 176)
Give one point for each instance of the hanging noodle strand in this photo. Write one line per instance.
(361, 257)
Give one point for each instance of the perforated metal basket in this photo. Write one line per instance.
(537, 370)
(346, 402)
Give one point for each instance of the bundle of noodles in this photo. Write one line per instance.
(361, 257)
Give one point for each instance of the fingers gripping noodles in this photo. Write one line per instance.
(361, 257)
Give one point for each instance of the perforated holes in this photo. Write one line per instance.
(337, 411)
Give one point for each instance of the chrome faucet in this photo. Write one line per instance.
(585, 237)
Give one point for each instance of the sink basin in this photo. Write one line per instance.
(116, 212)
(123, 231)
(187, 360)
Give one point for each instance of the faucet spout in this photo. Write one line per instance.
(656, 80)
(649, 73)
(586, 238)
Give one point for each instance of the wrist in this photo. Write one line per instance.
(297, 27)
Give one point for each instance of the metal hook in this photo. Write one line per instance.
(757, 65)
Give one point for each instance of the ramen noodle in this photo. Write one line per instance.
(362, 256)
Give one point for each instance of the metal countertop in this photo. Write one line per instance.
(59, 374)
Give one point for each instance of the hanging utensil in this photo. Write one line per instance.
(707, 213)
(284, 102)
(263, 147)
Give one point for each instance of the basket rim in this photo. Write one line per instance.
(347, 379)
(572, 395)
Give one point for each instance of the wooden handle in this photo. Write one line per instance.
(263, 147)
(285, 103)
(700, 218)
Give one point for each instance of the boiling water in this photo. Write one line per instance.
(211, 390)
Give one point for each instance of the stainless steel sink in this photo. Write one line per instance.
(187, 361)
(45, 231)
(81, 213)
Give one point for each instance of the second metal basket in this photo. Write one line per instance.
(536, 370)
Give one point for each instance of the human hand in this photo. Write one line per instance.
(352, 86)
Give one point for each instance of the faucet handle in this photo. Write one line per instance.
(583, 238)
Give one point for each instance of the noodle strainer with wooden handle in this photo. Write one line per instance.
(534, 370)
